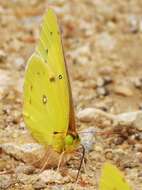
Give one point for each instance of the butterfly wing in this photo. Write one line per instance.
(112, 179)
(50, 34)
(46, 88)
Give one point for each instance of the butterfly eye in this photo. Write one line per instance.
(69, 140)
(60, 76)
(44, 99)
(51, 33)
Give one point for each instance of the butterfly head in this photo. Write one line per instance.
(71, 141)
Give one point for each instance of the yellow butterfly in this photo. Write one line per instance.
(48, 108)
(112, 179)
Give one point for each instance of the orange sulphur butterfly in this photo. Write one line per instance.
(112, 179)
(48, 109)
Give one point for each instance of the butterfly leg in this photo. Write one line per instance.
(60, 161)
(42, 162)
(45, 161)
(37, 162)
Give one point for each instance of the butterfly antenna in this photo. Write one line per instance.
(82, 158)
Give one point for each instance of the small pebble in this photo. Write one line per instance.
(2, 56)
(101, 91)
(20, 63)
(26, 169)
(107, 80)
(138, 147)
(133, 22)
(39, 185)
(138, 83)
(139, 156)
(138, 136)
(140, 106)
(25, 152)
(105, 70)
(98, 149)
(22, 125)
(100, 82)
(109, 155)
(118, 141)
(27, 179)
(3, 164)
(123, 90)
(106, 41)
(86, 114)
(88, 138)
(5, 181)
(51, 176)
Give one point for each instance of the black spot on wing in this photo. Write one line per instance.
(38, 73)
(30, 101)
(46, 50)
(60, 76)
(55, 132)
(52, 79)
(31, 87)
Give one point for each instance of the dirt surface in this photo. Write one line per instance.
(103, 48)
